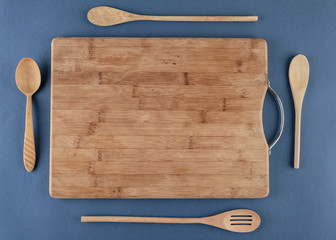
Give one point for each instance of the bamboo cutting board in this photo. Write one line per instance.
(158, 118)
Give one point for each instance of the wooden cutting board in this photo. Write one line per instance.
(158, 118)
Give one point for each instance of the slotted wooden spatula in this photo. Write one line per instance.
(239, 220)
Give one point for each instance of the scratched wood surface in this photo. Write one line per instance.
(158, 118)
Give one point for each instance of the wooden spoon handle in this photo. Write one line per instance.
(138, 219)
(201, 18)
(29, 155)
(297, 138)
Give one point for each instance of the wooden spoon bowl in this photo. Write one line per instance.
(27, 76)
(106, 16)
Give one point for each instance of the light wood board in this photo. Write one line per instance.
(158, 118)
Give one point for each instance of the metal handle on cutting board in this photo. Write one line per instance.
(282, 117)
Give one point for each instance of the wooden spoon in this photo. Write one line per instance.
(240, 220)
(28, 80)
(298, 79)
(108, 16)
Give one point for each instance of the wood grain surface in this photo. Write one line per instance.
(158, 118)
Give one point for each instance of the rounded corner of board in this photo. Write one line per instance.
(261, 41)
(265, 194)
(55, 40)
(52, 194)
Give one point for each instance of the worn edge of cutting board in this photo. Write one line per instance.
(95, 197)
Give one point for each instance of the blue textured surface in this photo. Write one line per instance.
(301, 203)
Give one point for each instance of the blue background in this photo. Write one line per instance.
(301, 203)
